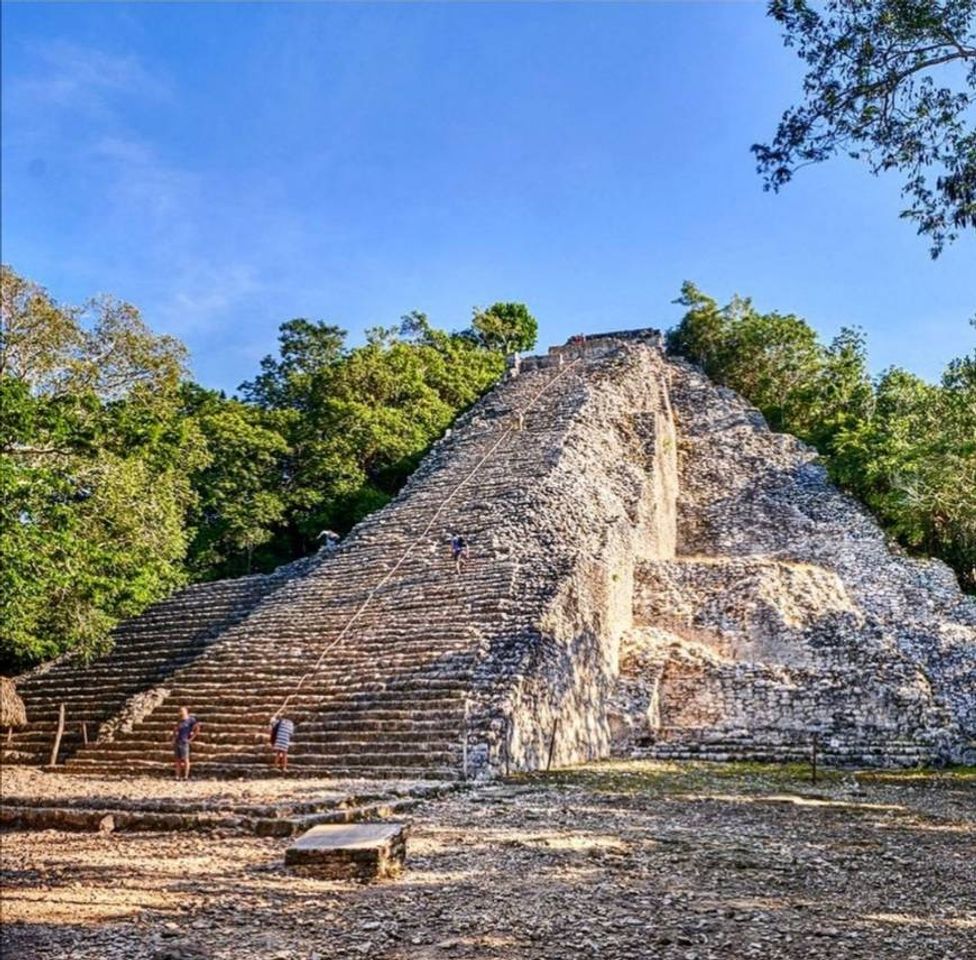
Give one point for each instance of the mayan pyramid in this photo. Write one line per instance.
(653, 572)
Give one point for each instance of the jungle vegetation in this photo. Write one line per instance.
(121, 479)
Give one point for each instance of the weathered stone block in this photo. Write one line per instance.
(342, 851)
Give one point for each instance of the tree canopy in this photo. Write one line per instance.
(893, 83)
(508, 327)
(93, 470)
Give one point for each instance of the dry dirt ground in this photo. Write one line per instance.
(615, 860)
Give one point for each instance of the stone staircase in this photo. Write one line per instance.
(147, 651)
(391, 663)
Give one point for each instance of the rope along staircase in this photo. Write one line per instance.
(372, 650)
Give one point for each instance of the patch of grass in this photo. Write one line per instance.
(951, 776)
(631, 777)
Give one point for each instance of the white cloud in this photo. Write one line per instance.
(82, 79)
(142, 186)
(156, 217)
(202, 295)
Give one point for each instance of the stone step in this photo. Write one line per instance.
(198, 688)
(46, 818)
(855, 755)
(319, 732)
(382, 754)
(264, 705)
(234, 821)
(328, 719)
(324, 709)
(417, 653)
(254, 770)
(707, 736)
(111, 681)
(317, 727)
(202, 699)
(102, 680)
(247, 724)
(234, 752)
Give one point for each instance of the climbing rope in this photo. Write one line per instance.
(519, 415)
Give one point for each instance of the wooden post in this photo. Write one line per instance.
(10, 735)
(57, 737)
(84, 733)
(552, 742)
(813, 759)
(464, 744)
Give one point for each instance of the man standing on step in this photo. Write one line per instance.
(184, 733)
(281, 732)
(459, 550)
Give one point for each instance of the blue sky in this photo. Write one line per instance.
(227, 167)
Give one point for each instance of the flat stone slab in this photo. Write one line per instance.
(349, 851)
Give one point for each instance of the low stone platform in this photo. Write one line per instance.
(362, 851)
(267, 820)
(36, 801)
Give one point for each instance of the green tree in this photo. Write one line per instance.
(892, 82)
(913, 461)
(37, 335)
(777, 361)
(505, 327)
(308, 351)
(701, 336)
(93, 462)
(955, 512)
(239, 485)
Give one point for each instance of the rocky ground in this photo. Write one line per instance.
(616, 860)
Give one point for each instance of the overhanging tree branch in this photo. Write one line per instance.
(872, 89)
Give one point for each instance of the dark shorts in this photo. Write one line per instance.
(181, 749)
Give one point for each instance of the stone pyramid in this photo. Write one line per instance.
(652, 572)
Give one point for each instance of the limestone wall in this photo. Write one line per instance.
(787, 613)
(606, 503)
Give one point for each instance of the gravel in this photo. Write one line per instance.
(614, 860)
